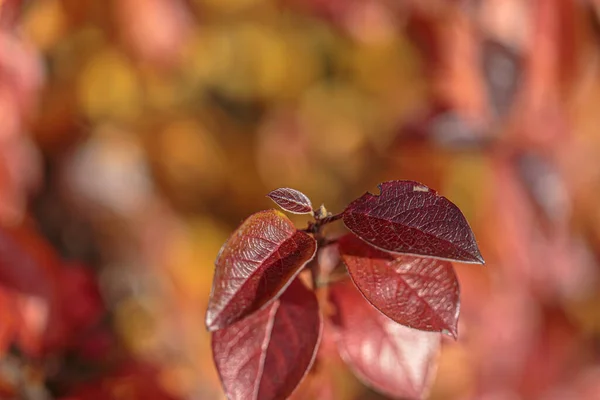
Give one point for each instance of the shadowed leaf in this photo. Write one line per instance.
(421, 293)
(253, 267)
(502, 68)
(409, 218)
(393, 359)
(291, 200)
(266, 355)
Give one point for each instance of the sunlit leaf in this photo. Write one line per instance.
(393, 359)
(291, 200)
(418, 292)
(255, 265)
(410, 218)
(266, 355)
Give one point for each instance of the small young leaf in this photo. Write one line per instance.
(291, 200)
(255, 265)
(266, 355)
(393, 359)
(409, 218)
(418, 292)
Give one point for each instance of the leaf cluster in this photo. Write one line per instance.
(399, 294)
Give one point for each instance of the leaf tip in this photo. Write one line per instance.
(478, 258)
(210, 322)
(453, 332)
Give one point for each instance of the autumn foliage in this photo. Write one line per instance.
(267, 325)
(137, 135)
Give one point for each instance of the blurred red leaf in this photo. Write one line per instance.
(21, 70)
(552, 355)
(26, 262)
(10, 11)
(421, 293)
(255, 265)
(80, 297)
(530, 233)
(9, 320)
(50, 303)
(291, 200)
(266, 355)
(392, 358)
(408, 217)
(27, 274)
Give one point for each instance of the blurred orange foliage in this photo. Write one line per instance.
(136, 135)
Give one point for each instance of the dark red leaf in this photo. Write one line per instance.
(266, 355)
(409, 218)
(393, 359)
(255, 265)
(291, 200)
(418, 292)
(81, 301)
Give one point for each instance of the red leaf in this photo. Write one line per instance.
(408, 217)
(291, 200)
(10, 319)
(395, 360)
(10, 11)
(81, 301)
(266, 355)
(28, 271)
(255, 265)
(421, 293)
(27, 263)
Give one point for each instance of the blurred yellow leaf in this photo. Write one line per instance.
(109, 87)
(45, 23)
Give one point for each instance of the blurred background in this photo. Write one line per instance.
(135, 135)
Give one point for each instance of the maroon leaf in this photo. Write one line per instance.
(266, 355)
(393, 359)
(421, 293)
(291, 200)
(409, 218)
(255, 265)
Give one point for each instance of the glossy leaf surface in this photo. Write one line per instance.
(409, 218)
(421, 293)
(266, 355)
(291, 200)
(257, 262)
(393, 359)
